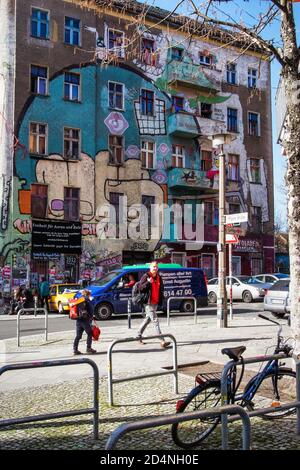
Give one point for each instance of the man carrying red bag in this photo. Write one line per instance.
(85, 324)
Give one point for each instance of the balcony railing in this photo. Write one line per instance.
(183, 124)
(185, 178)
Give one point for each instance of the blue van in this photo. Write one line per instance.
(110, 294)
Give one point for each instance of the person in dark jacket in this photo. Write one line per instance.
(152, 284)
(85, 324)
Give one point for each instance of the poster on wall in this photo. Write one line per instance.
(51, 236)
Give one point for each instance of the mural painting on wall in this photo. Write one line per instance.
(162, 252)
(151, 124)
(116, 123)
(6, 188)
(133, 151)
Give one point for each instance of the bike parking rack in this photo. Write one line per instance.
(180, 417)
(35, 310)
(182, 298)
(62, 414)
(261, 411)
(112, 381)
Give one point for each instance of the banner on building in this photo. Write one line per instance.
(53, 237)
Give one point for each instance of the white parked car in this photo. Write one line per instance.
(243, 287)
(277, 299)
(271, 278)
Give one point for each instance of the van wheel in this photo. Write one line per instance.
(212, 298)
(187, 306)
(247, 297)
(103, 311)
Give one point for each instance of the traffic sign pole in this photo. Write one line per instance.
(230, 281)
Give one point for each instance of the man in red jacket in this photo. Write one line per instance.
(152, 284)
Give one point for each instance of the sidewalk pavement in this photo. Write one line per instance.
(37, 391)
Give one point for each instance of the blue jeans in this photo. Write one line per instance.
(81, 326)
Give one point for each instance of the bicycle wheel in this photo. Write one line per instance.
(190, 433)
(266, 396)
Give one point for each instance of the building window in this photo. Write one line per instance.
(231, 73)
(232, 125)
(252, 78)
(72, 86)
(71, 203)
(205, 59)
(148, 154)
(255, 170)
(208, 213)
(39, 23)
(116, 95)
(176, 53)
(205, 110)
(179, 258)
(39, 80)
(38, 138)
(233, 167)
(116, 149)
(206, 160)
(147, 202)
(71, 143)
(178, 156)
(148, 54)
(256, 218)
(116, 42)
(114, 200)
(147, 102)
(253, 124)
(39, 201)
(234, 206)
(177, 103)
(256, 266)
(72, 31)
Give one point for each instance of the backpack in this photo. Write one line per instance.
(138, 298)
(78, 309)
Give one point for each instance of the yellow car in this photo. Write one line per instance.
(59, 295)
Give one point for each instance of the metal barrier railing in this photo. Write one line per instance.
(112, 381)
(261, 411)
(35, 310)
(182, 298)
(180, 417)
(65, 414)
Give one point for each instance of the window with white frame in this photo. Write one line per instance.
(148, 153)
(38, 138)
(178, 156)
(39, 23)
(116, 42)
(116, 149)
(39, 80)
(205, 59)
(252, 78)
(71, 143)
(231, 73)
(72, 31)
(72, 86)
(254, 124)
(116, 95)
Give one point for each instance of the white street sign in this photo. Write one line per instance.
(231, 238)
(234, 218)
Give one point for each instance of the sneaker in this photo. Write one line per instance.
(91, 351)
(165, 344)
(77, 353)
(139, 338)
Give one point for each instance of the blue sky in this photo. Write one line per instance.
(249, 11)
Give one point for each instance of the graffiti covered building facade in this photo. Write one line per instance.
(101, 111)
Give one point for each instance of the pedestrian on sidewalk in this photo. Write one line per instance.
(152, 285)
(44, 293)
(85, 324)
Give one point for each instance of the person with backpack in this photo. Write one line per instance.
(84, 323)
(151, 290)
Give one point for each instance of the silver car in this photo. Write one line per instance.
(243, 287)
(271, 278)
(277, 299)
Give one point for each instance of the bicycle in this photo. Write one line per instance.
(274, 384)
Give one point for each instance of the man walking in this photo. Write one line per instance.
(44, 293)
(152, 285)
(85, 324)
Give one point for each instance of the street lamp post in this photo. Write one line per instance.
(220, 140)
